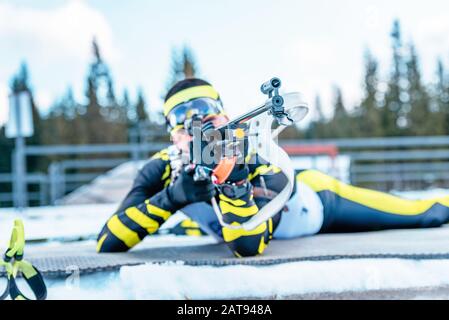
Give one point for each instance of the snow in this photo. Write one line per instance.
(58, 221)
(115, 183)
(88, 219)
(106, 188)
(178, 281)
(64, 221)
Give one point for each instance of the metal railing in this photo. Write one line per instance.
(38, 179)
(380, 163)
(393, 163)
(61, 183)
(57, 181)
(377, 143)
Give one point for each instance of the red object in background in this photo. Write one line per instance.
(313, 149)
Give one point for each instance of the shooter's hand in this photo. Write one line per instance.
(237, 185)
(240, 173)
(185, 190)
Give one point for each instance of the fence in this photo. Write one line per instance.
(56, 182)
(393, 163)
(379, 163)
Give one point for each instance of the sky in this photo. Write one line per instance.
(311, 45)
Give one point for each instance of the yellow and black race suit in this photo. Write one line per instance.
(344, 208)
(147, 206)
(347, 208)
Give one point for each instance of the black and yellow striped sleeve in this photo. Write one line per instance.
(265, 175)
(244, 243)
(142, 212)
(267, 179)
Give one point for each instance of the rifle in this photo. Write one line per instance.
(250, 129)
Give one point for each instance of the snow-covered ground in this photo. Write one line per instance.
(85, 220)
(58, 221)
(107, 188)
(115, 183)
(177, 281)
(63, 221)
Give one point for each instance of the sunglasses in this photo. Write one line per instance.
(198, 107)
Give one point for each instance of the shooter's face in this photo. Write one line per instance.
(181, 138)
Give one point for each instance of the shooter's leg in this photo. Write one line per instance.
(352, 209)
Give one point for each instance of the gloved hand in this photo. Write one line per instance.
(237, 185)
(185, 190)
(240, 172)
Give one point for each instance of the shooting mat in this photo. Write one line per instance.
(419, 244)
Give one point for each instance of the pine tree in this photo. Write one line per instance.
(368, 120)
(189, 67)
(340, 126)
(93, 121)
(183, 66)
(126, 109)
(141, 112)
(393, 120)
(104, 121)
(420, 117)
(443, 93)
(69, 105)
(317, 127)
(20, 81)
(440, 101)
(61, 125)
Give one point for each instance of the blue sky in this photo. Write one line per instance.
(311, 45)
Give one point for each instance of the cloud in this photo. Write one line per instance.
(63, 31)
(43, 99)
(434, 30)
(316, 67)
(431, 39)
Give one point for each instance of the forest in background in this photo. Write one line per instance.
(399, 104)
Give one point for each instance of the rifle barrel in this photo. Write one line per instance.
(244, 118)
